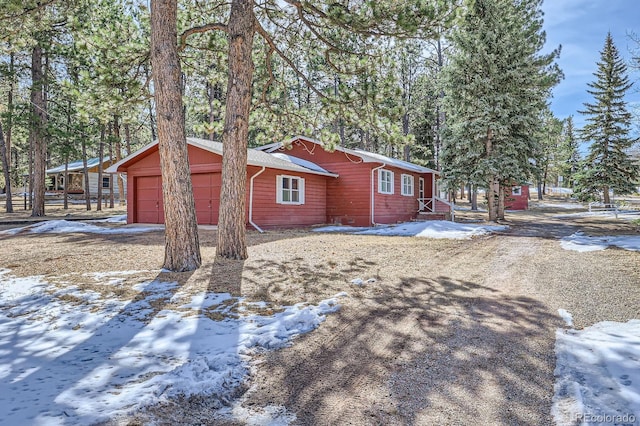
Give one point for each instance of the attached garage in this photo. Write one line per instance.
(206, 191)
(147, 202)
(269, 199)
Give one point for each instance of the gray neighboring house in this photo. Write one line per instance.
(55, 177)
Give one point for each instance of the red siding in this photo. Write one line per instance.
(269, 214)
(392, 208)
(442, 207)
(517, 202)
(349, 196)
(145, 193)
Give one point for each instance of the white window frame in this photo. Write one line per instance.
(281, 191)
(385, 182)
(408, 183)
(107, 180)
(421, 187)
(516, 190)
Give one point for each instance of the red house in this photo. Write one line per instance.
(291, 184)
(372, 188)
(517, 198)
(280, 192)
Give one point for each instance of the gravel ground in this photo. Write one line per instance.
(451, 332)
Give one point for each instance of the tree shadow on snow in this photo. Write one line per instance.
(39, 386)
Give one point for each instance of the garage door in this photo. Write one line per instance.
(148, 201)
(206, 192)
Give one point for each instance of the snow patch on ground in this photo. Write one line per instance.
(429, 229)
(598, 374)
(115, 219)
(622, 214)
(65, 226)
(69, 356)
(271, 415)
(584, 243)
(566, 316)
(361, 282)
(566, 206)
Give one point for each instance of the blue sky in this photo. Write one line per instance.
(581, 26)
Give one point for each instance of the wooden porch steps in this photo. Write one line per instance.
(433, 216)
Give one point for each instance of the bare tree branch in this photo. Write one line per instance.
(270, 72)
(267, 38)
(198, 30)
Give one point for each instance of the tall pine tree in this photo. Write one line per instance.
(608, 165)
(571, 152)
(496, 84)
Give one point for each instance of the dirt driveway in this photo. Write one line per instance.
(451, 332)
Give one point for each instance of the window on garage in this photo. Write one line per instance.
(290, 189)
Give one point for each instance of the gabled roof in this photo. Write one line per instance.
(366, 156)
(78, 165)
(254, 158)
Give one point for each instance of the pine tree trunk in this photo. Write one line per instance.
(9, 132)
(605, 194)
(65, 190)
(85, 171)
(493, 197)
(493, 187)
(127, 136)
(440, 117)
(38, 121)
(5, 170)
(100, 160)
(540, 191)
(501, 201)
(474, 198)
(212, 96)
(118, 152)
(231, 222)
(111, 195)
(405, 132)
(152, 120)
(182, 245)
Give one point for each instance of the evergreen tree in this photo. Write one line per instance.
(571, 153)
(182, 246)
(496, 86)
(341, 32)
(608, 166)
(428, 117)
(549, 155)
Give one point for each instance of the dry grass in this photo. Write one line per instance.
(54, 209)
(450, 332)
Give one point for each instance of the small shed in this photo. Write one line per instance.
(281, 191)
(517, 197)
